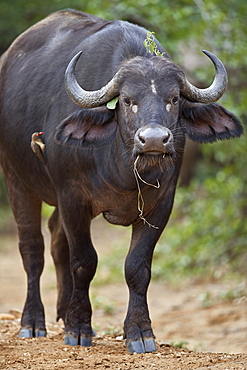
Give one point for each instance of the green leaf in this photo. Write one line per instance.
(112, 103)
(151, 46)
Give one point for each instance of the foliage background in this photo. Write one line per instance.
(207, 234)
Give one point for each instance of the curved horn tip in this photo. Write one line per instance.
(78, 54)
(207, 52)
(72, 64)
(75, 58)
(214, 59)
(218, 64)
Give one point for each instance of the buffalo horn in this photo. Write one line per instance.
(88, 99)
(213, 92)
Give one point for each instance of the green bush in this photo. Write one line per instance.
(207, 232)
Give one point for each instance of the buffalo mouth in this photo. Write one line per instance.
(157, 153)
(153, 152)
(149, 160)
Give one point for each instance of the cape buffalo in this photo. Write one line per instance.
(121, 160)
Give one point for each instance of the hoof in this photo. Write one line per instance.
(40, 333)
(30, 333)
(25, 333)
(136, 346)
(149, 345)
(83, 341)
(141, 346)
(70, 340)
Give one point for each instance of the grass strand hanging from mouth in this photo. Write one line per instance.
(140, 197)
(137, 173)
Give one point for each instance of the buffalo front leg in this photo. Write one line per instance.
(27, 212)
(137, 326)
(83, 263)
(60, 255)
(32, 251)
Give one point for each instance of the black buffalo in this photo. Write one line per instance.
(122, 162)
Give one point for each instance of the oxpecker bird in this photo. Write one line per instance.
(37, 145)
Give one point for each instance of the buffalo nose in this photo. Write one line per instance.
(154, 139)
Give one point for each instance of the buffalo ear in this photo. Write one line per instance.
(206, 123)
(87, 126)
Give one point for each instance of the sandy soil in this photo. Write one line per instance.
(214, 333)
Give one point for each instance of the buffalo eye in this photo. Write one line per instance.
(175, 100)
(127, 101)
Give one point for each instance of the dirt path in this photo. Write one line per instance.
(214, 331)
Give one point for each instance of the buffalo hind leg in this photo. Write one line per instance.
(27, 212)
(60, 255)
(78, 329)
(83, 263)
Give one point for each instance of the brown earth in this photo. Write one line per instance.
(213, 330)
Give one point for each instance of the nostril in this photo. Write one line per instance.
(142, 140)
(166, 139)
